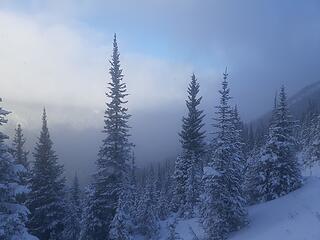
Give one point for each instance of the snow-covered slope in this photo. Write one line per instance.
(292, 217)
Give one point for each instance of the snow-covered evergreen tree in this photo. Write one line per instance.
(73, 212)
(163, 191)
(253, 193)
(46, 199)
(180, 184)
(223, 207)
(88, 218)
(309, 137)
(213, 208)
(276, 172)
(192, 135)
(192, 188)
(113, 158)
(148, 222)
(163, 205)
(76, 195)
(19, 153)
(21, 157)
(132, 198)
(188, 166)
(13, 214)
(311, 151)
(308, 124)
(121, 228)
(239, 140)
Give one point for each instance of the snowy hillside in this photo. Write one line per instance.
(292, 217)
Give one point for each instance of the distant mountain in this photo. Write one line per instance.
(298, 104)
(308, 95)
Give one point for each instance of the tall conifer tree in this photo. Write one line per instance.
(73, 213)
(46, 199)
(21, 157)
(276, 171)
(311, 151)
(19, 152)
(192, 135)
(188, 166)
(113, 168)
(223, 205)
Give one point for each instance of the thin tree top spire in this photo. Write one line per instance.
(225, 74)
(283, 92)
(225, 89)
(115, 53)
(44, 120)
(19, 153)
(115, 44)
(283, 103)
(44, 114)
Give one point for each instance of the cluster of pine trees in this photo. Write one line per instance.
(309, 136)
(214, 178)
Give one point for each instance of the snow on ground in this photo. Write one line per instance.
(186, 229)
(292, 217)
(295, 216)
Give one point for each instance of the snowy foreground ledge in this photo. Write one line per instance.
(292, 217)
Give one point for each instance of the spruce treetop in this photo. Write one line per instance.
(224, 111)
(116, 144)
(47, 188)
(18, 147)
(191, 135)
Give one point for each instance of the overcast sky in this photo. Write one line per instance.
(55, 54)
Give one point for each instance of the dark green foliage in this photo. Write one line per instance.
(46, 199)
